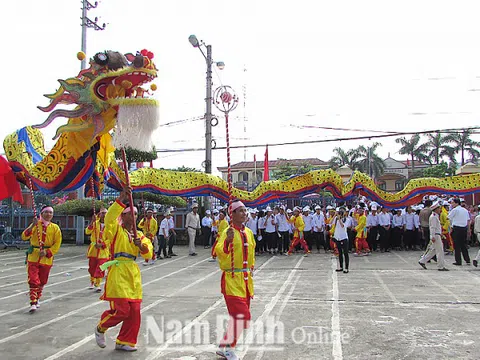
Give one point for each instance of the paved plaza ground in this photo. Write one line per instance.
(385, 308)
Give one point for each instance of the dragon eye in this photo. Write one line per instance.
(101, 58)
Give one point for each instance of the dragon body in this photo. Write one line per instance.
(84, 148)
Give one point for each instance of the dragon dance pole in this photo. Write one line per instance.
(226, 100)
(34, 206)
(127, 181)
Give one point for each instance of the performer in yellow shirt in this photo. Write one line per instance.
(445, 223)
(236, 282)
(149, 227)
(221, 225)
(361, 245)
(123, 286)
(297, 221)
(97, 252)
(45, 239)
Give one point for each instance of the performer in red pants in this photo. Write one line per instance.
(97, 252)
(45, 239)
(297, 221)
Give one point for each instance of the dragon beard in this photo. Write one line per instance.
(135, 126)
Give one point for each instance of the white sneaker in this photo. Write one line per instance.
(152, 262)
(33, 308)
(91, 286)
(227, 353)
(145, 263)
(98, 289)
(100, 338)
(38, 304)
(124, 347)
(212, 260)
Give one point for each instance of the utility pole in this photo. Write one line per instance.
(87, 23)
(208, 104)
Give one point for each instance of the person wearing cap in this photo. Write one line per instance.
(446, 228)
(297, 221)
(149, 227)
(236, 282)
(424, 221)
(207, 222)
(398, 223)
(97, 252)
(172, 234)
(193, 228)
(435, 248)
(459, 219)
(41, 252)
(361, 245)
(164, 236)
(252, 224)
(222, 226)
(318, 224)
(329, 229)
(384, 223)
(476, 231)
(283, 227)
(123, 286)
(410, 229)
(372, 226)
(271, 237)
(307, 232)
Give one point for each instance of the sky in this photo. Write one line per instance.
(378, 65)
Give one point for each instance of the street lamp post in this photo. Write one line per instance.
(208, 103)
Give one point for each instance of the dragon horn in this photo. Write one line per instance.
(64, 113)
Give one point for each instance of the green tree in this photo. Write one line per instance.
(412, 148)
(464, 144)
(80, 207)
(176, 201)
(287, 170)
(437, 148)
(365, 159)
(134, 155)
(441, 170)
(341, 158)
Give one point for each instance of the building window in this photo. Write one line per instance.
(243, 176)
(399, 185)
(382, 186)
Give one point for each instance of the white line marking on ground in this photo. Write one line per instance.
(385, 287)
(158, 352)
(285, 301)
(251, 332)
(54, 261)
(336, 334)
(155, 303)
(440, 286)
(86, 288)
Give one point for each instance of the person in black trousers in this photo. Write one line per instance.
(340, 237)
(459, 218)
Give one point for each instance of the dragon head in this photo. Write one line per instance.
(113, 81)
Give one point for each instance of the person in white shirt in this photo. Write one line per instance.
(398, 223)
(262, 223)
(283, 227)
(476, 231)
(340, 237)
(307, 232)
(172, 233)
(193, 228)
(459, 221)
(435, 247)
(409, 229)
(271, 236)
(384, 223)
(372, 228)
(207, 222)
(164, 235)
(318, 224)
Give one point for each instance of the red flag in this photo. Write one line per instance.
(151, 163)
(9, 187)
(266, 175)
(255, 159)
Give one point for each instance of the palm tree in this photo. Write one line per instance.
(463, 143)
(412, 148)
(366, 160)
(341, 158)
(437, 148)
